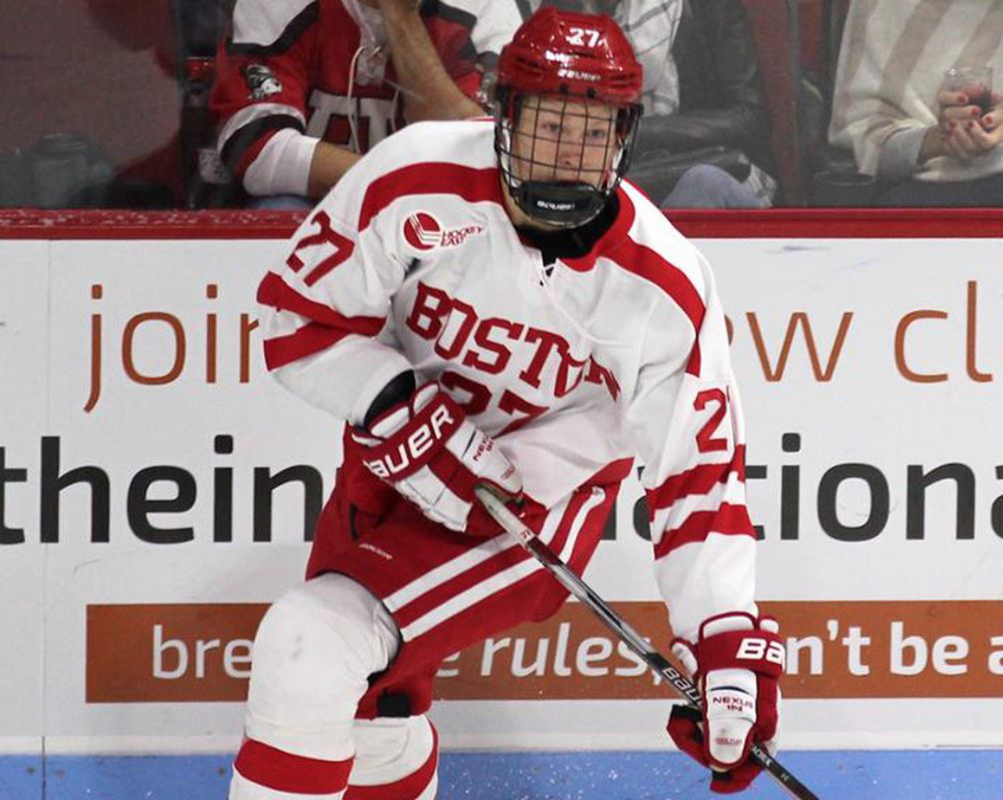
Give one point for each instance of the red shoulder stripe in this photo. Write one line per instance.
(327, 326)
(473, 185)
(648, 264)
(638, 259)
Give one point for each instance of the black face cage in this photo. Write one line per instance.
(560, 203)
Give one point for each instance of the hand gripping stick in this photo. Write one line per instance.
(655, 660)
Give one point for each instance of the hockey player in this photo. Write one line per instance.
(304, 86)
(485, 302)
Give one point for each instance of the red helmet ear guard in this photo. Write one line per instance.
(577, 58)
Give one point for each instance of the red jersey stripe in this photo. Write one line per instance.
(612, 240)
(474, 185)
(648, 264)
(617, 246)
(584, 545)
(302, 343)
(276, 293)
(699, 480)
(728, 519)
(614, 472)
(285, 772)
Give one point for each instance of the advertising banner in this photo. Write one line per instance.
(158, 490)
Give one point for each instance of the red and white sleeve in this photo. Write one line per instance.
(326, 306)
(260, 92)
(686, 422)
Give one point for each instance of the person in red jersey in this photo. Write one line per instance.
(488, 302)
(303, 87)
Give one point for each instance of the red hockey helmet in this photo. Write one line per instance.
(560, 52)
(573, 63)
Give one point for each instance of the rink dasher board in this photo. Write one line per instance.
(909, 390)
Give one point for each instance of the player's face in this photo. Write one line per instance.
(562, 140)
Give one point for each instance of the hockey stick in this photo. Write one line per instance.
(655, 660)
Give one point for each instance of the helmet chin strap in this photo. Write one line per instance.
(563, 204)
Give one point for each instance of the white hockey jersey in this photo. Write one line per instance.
(412, 262)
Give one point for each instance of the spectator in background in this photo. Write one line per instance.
(303, 88)
(704, 140)
(927, 146)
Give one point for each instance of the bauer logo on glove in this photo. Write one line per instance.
(737, 661)
(391, 462)
(429, 451)
(753, 649)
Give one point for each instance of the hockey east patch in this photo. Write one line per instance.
(424, 232)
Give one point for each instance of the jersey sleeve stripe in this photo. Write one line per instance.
(471, 184)
(247, 142)
(699, 480)
(258, 111)
(731, 492)
(301, 343)
(732, 520)
(276, 293)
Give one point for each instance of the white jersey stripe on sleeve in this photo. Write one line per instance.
(255, 112)
(732, 493)
(699, 479)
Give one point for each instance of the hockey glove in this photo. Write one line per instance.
(429, 451)
(737, 663)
